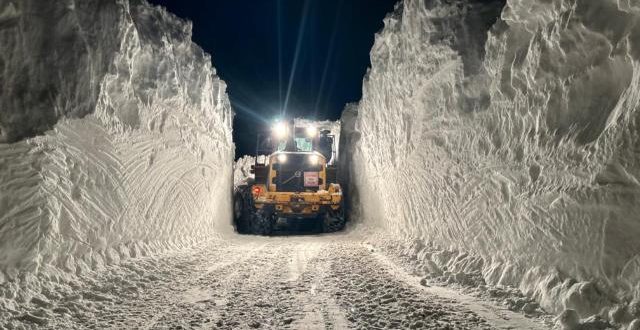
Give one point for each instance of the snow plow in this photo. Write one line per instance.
(295, 181)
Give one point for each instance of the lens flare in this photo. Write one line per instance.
(280, 130)
(312, 131)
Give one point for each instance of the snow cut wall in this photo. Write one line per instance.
(514, 143)
(115, 135)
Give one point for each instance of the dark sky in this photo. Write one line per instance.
(254, 45)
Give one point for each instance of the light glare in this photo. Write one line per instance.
(312, 131)
(280, 130)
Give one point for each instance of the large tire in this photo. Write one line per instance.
(333, 221)
(241, 213)
(261, 223)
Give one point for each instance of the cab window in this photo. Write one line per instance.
(302, 144)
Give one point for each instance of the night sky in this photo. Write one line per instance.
(254, 44)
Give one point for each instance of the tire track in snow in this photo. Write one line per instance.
(257, 293)
(239, 256)
(374, 298)
(312, 282)
(500, 318)
(319, 308)
(137, 294)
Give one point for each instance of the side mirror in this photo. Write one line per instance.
(253, 169)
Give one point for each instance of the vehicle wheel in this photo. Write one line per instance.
(333, 221)
(261, 223)
(241, 213)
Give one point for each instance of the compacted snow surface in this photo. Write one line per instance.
(305, 282)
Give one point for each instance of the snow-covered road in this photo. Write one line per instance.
(303, 282)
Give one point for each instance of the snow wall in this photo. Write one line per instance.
(514, 146)
(115, 135)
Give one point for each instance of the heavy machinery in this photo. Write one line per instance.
(295, 181)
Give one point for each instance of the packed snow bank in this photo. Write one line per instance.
(516, 150)
(139, 153)
(242, 170)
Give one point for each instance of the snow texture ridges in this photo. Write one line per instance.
(137, 153)
(514, 143)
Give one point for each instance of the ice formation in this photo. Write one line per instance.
(513, 145)
(116, 131)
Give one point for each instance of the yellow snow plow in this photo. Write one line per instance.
(295, 180)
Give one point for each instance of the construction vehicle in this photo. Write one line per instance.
(295, 180)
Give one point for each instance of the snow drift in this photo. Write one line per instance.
(242, 170)
(136, 150)
(513, 145)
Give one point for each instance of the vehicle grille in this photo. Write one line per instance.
(290, 176)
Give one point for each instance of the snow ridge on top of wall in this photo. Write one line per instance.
(520, 150)
(136, 155)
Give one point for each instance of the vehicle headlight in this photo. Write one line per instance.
(280, 130)
(282, 158)
(314, 159)
(312, 131)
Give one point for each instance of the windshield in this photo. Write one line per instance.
(302, 144)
